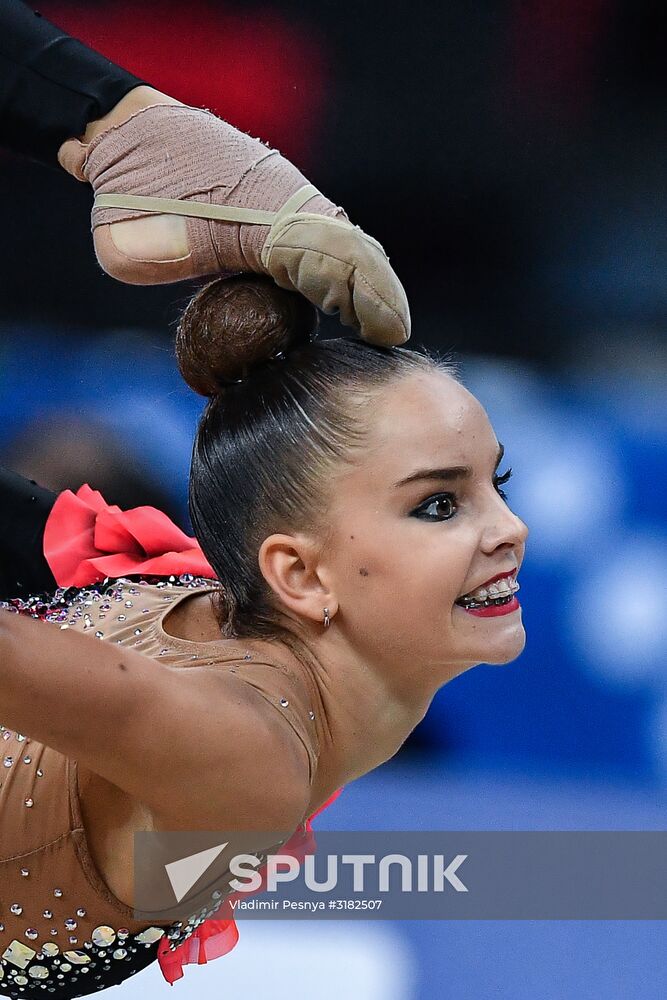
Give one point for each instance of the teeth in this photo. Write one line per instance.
(498, 589)
(501, 588)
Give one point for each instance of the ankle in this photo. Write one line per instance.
(71, 153)
(141, 97)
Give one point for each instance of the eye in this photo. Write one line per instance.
(500, 481)
(449, 499)
(439, 498)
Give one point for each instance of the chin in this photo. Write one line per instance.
(509, 655)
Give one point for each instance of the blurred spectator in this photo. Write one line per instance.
(66, 452)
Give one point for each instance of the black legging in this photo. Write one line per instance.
(51, 85)
(24, 509)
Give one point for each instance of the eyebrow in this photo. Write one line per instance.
(455, 472)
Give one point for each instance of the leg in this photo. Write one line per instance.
(51, 85)
(55, 91)
(239, 205)
(24, 511)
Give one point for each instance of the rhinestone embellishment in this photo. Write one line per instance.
(150, 935)
(77, 957)
(103, 936)
(19, 954)
(38, 972)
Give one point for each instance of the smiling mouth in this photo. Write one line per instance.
(483, 600)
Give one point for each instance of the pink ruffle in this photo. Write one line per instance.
(214, 938)
(86, 540)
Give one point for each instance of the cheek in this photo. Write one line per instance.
(366, 566)
(400, 574)
(385, 560)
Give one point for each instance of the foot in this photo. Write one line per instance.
(155, 238)
(230, 189)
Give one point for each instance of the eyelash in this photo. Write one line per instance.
(497, 482)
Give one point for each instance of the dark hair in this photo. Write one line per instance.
(266, 446)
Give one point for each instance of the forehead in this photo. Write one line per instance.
(428, 417)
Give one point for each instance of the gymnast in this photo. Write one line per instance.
(353, 550)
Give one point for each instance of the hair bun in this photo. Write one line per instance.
(234, 323)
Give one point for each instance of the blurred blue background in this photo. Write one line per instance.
(551, 289)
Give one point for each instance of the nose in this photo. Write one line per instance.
(504, 527)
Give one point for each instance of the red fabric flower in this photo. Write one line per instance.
(86, 540)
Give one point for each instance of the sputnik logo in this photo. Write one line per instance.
(186, 871)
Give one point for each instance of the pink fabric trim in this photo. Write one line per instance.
(86, 540)
(214, 938)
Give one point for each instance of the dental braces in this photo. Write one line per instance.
(468, 602)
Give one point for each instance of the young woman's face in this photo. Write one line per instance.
(401, 555)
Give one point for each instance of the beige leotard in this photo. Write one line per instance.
(60, 924)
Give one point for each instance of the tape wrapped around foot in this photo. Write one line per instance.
(245, 208)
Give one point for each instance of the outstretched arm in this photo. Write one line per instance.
(227, 755)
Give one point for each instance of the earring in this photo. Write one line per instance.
(327, 620)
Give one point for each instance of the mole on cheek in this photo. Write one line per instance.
(363, 571)
(122, 666)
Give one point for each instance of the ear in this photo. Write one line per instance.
(291, 566)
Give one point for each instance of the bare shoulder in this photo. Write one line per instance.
(246, 770)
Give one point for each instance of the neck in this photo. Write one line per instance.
(366, 709)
